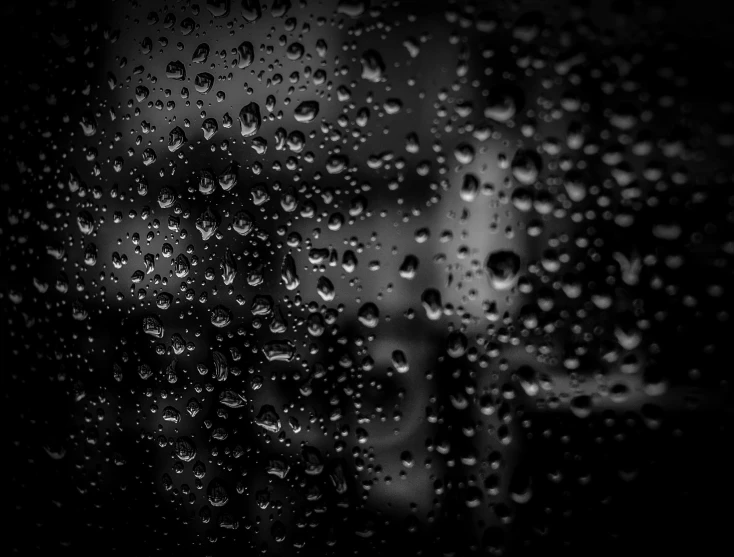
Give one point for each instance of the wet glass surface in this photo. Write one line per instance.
(362, 278)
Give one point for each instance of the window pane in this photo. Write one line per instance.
(352, 277)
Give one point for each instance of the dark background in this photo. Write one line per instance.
(665, 489)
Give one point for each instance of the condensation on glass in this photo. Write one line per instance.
(352, 277)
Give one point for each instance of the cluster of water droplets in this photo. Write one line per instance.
(335, 246)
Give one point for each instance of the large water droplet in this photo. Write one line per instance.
(373, 68)
(306, 111)
(503, 267)
(526, 166)
(250, 119)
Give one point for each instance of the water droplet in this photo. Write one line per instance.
(207, 223)
(325, 288)
(400, 362)
(232, 399)
(279, 351)
(503, 267)
(268, 419)
(176, 139)
(228, 177)
(209, 127)
(203, 82)
(250, 119)
(176, 70)
(288, 273)
(373, 68)
(220, 317)
(431, 300)
(306, 111)
(185, 449)
(250, 10)
(352, 8)
(526, 166)
(228, 265)
(245, 55)
(201, 53)
(153, 326)
(242, 222)
(369, 315)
